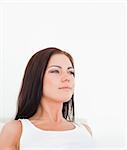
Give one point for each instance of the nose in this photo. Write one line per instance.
(65, 77)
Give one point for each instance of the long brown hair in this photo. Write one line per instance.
(31, 89)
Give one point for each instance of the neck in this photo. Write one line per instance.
(50, 111)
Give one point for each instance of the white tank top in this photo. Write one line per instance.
(33, 138)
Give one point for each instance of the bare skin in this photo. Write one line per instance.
(59, 74)
(10, 136)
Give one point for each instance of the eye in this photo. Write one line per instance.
(54, 71)
(72, 72)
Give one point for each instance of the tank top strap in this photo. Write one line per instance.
(84, 127)
(23, 121)
(25, 125)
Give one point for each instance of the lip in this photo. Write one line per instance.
(65, 87)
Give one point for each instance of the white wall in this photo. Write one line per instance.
(94, 33)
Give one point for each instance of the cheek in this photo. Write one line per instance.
(50, 89)
(73, 82)
(50, 84)
(73, 85)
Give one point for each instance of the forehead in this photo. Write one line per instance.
(60, 59)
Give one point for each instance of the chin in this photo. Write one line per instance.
(66, 99)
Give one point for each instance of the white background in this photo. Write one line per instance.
(94, 33)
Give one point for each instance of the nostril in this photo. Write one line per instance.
(65, 79)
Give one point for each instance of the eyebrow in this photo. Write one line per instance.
(60, 67)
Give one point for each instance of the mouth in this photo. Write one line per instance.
(66, 87)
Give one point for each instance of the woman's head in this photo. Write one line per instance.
(49, 74)
(58, 81)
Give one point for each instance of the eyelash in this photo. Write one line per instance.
(72, 72)
(56, 71)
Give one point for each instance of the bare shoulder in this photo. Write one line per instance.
(12, 131)
(12, 127)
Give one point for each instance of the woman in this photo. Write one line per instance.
(45, 115)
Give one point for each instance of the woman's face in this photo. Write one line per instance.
(58, 83)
